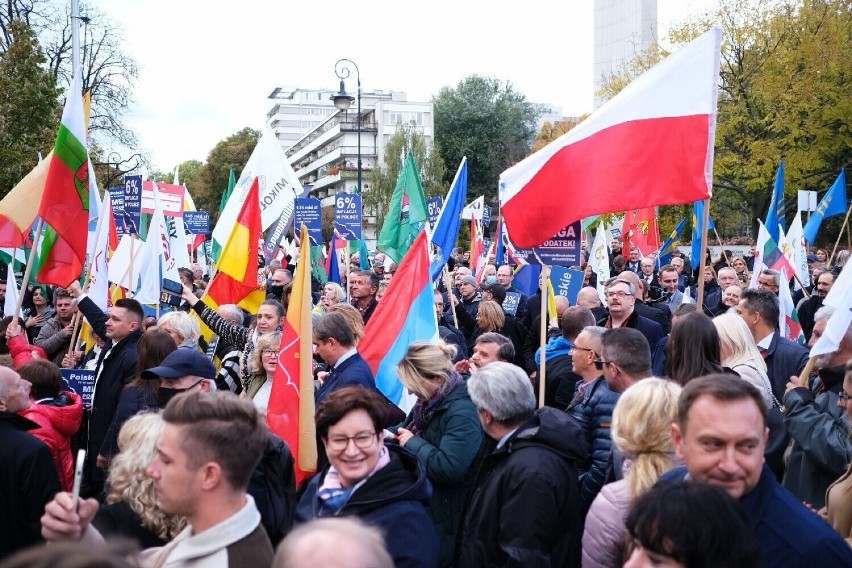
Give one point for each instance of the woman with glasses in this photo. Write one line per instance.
(382, 484)
(442, 430)
(263, 363)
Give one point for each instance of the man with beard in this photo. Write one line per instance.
(808, 307)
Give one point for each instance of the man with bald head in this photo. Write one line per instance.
(588, 297)
(26, 467)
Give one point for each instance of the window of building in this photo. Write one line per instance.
(405, 117)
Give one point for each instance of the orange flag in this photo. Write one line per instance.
(290, 414)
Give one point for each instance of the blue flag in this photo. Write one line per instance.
(671, 244)
(363, 256)
(501, 246)
(333, 266)
(449, 221)
(834, 203)
(697, 233)
(776, 214)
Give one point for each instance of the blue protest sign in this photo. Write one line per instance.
(132, 202)
(196, 222)
(510, 304)
(81, 381)
(116, 200)
(434, 206)
(486, 216)
(347, 216)
(307, 210)
(566, 282)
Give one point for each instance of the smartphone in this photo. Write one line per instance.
(78, 477)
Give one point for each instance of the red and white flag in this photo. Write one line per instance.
(652, 144)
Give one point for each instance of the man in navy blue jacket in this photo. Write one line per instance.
(720, 435)
(335, 343)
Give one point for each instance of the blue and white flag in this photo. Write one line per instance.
(449, 221)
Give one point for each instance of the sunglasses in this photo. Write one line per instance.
(599, 364)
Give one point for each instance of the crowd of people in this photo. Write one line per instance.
(669, 435)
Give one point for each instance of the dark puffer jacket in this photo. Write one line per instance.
(524, 507)
(394, 499)
(594, 414)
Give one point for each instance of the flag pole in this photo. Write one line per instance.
(719, 240)
(448, 286)
(71, 343)
(28, 270)
(704, 248)
(346, 259)
(839, 235)
(545, 274)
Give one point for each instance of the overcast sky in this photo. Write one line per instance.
(207, 68)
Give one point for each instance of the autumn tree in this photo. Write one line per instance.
(29, 106)
(211, 180)
(785, 93)
(429, 163)
(487, 121)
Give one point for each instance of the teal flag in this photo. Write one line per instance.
(834, 203)
(406, 215)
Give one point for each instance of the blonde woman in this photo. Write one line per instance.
(740, 353)
(130, 509)
(442, 430)
(491, 318)
(641, 430)
(264, 359)
(332, 293)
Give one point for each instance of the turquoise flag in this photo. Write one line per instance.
(776, 214)
(406, 215)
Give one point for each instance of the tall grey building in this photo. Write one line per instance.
(623, 29)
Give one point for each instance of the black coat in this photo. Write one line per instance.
(524, 508)
(116, 371)
(394, 499)
(28, 481)
(784, 359)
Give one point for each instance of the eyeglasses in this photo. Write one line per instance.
(599, 364)
(844, 396)
(363, 441)
(575, 348)
(269, 353)
(620, 294)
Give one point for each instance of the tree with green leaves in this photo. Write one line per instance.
(785, 93)
(490, 123)
(29, 105)
(212, 178)
(429, 163)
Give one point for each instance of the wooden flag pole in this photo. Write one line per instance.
(448, 286)
(545, 274)
(76, 320)
(700, 296)
(839, 235)
(719, 240)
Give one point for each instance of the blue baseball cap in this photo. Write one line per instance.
(181, 363)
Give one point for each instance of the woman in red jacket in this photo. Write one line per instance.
(58, 412)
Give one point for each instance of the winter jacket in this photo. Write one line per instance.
(594, 414)
(28, 482)
(652, 331)
(54, 340)
(395, 500)
(131, 401)
(561, 382)
(21, 350)
(273, 487)
(605, 536)
(524, 507)
(447, 448)
(60, 419)
(787, 534)
(353, 371)
(821, 450)
(116, 367)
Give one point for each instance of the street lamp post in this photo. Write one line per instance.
(343, 100)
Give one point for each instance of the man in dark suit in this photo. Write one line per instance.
(335, 344)
(116, 367)
(784, 358)
(621, 298)
(659, 313)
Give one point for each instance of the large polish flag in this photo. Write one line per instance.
(652, 144)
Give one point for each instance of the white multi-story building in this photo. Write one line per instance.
(623, 29)
(322, 143)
